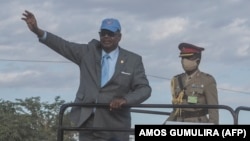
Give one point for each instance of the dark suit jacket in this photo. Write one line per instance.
(129, 81)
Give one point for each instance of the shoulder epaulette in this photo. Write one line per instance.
(207, 74)
(178, 75)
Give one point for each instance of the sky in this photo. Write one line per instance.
(152, 29)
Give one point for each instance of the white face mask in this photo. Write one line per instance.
(189, 65)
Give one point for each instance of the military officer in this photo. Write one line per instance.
(193, 87)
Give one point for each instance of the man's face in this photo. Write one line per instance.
(190, 63)
(109, 40)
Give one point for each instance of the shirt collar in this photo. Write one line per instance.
(113, 54)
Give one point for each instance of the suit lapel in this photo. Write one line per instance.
(93, 64)
(121, 60)
(97, 76)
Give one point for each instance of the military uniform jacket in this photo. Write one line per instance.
(202, 87)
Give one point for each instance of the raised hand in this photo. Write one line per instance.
(31, 22)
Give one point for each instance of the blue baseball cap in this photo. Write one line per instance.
(111, 24)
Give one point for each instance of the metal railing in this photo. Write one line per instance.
(63, 108)
(237, 112)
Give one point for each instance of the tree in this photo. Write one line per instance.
(32, 120)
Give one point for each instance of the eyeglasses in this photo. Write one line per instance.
(106, 32)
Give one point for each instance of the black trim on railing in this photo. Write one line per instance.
(238, 109)
(149, 112)
(65, 106)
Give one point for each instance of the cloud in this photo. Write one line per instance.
(12, 78)
(238, 25)
(164, 28)
(243, 51)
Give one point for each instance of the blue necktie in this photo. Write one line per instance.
(105, 69)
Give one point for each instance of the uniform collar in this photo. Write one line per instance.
(193, 74)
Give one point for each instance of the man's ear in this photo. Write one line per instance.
(198, 61)
(120, 36)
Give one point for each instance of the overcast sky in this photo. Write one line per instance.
(153, 29)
